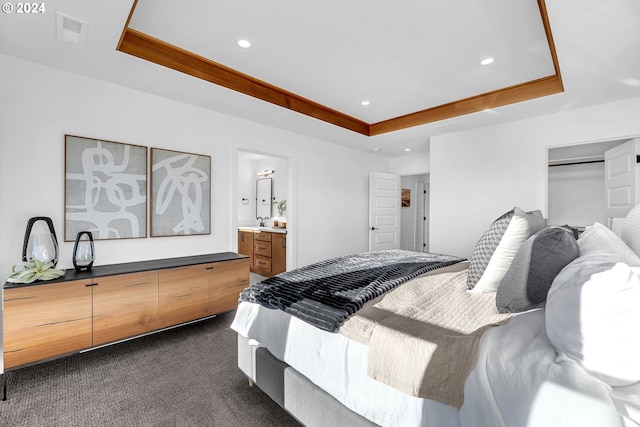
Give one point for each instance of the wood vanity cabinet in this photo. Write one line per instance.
(44, 321)
(279, 253)
(267, 250)
(87, 309)
(245, 244)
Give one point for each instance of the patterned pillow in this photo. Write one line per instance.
(486, 246)
(520, 227)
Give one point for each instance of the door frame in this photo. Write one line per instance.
(565, 142)
(238, 146)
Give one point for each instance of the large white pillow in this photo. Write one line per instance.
(599, 239)
(522, 226)
(593, 317)
(631, 229)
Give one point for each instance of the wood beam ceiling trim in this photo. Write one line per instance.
(162, 53)
(511, 95)
(165, 54)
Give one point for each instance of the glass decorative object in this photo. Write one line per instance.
(83, 251)
(40, 245)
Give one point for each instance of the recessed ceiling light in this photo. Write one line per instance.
(376, 149)
(487, 61)
(244, 43)
(364, 103)
(407, 149)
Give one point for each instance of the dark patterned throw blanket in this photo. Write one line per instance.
(326, 293)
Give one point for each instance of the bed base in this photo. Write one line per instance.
(294, 392)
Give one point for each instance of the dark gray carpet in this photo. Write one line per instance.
(182, 377)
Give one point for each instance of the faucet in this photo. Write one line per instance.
(261, 224)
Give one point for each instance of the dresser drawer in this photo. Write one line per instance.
(263, 236)
(262, 248)
(262, 265)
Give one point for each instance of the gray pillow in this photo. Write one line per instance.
(536, 264)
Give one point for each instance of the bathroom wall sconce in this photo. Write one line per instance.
(266, 172)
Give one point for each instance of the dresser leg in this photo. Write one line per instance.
(4, 386)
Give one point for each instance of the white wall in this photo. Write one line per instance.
(410, 165)
(477, 175)
(39, 105)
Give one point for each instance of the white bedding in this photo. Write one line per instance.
(522, 384)
(339, 366)
(525, 383)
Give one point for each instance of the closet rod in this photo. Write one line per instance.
(577, 163)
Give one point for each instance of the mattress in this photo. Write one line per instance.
(338, 365)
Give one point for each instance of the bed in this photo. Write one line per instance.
(538, 328)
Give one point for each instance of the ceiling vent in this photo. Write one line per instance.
(70, 29)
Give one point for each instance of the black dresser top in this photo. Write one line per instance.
(133, 267)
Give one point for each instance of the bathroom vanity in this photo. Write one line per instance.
(266, 247)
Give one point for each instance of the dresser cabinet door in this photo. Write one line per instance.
(124, 305)
(227, 280)
(184, 294)
(46, 321)
(245, 243)
(279, 253)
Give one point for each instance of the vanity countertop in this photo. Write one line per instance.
(256, 228)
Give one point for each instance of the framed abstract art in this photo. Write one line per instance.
(180, 193)
(105, 189)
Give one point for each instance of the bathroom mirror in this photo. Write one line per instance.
(263, 198)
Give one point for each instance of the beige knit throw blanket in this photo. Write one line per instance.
(424, 336)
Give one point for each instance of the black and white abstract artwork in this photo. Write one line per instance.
(180, 193)
(105, 189)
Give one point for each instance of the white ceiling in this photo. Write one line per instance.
(403, 56)
(422, 55)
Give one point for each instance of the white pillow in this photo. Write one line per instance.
(616, 226)
(522, 226)
(592, 316)
(599, 239)
(631, 229)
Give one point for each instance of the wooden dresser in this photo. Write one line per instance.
(267, 250)
(82, 310)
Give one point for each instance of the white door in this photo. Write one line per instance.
(621, 179)
(384, 211)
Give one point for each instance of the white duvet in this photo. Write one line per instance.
(518, 380)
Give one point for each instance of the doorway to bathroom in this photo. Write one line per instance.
(263, 190)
